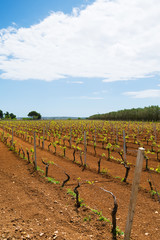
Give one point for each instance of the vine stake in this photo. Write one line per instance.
(134, 192)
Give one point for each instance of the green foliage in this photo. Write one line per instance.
(34, 115)
(7, 115)
(52, 180)
(1, 114)
(96, 212)
(104, 170)
(51, 162)
(90, 182)
(158, 169)
(11, 148)
(39, 169)
(102, 218)
(109, 145)
(12, 116)
(154, 193)
(70, 192)
(119, 232)
(151, 113)
(32, 150)
(152, 169)
(26, 119)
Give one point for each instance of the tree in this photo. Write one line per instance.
(1, 114)
(7, 115)
(12, 116)
(34, 115)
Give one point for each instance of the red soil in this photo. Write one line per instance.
(32, 207)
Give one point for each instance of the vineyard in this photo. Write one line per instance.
(94, 163)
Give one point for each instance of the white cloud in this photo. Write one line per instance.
(114, 40)
(149, 93)
(75, 82)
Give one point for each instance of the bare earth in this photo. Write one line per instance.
(32, 208)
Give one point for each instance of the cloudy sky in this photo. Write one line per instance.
(78, 58)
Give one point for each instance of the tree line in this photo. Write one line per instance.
(151, 113)
(7, 115)
(32, 115)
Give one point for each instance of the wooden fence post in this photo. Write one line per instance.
(43, 138)
(12, 136)
(124, 145)
(70, 139)
(95, 136)
(3, 131)
(35, 156)
(85, 150)
(116, 135)
(155, 134)
(134, 192)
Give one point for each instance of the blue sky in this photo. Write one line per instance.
(78, 58)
